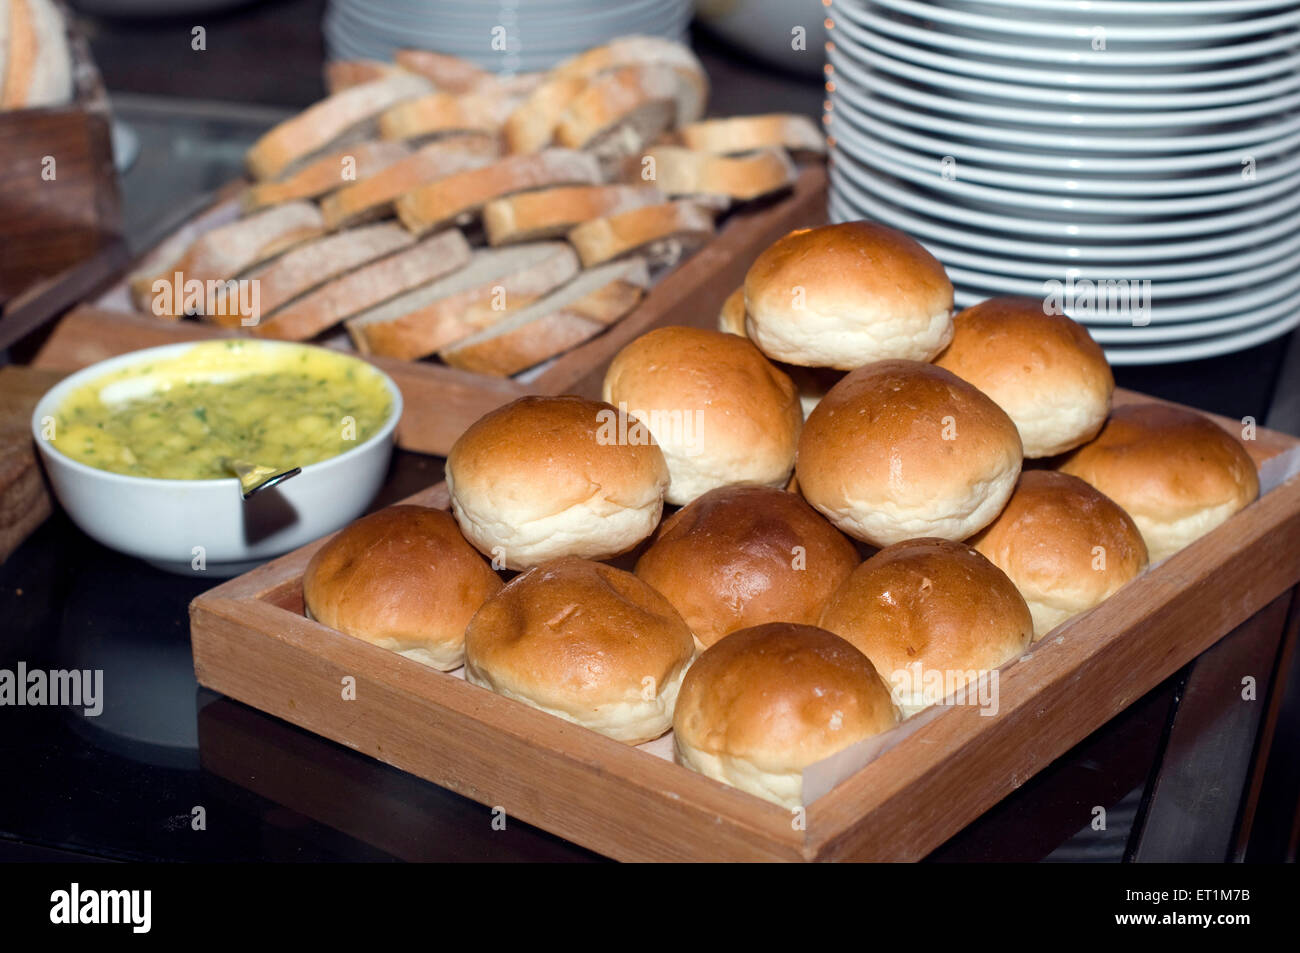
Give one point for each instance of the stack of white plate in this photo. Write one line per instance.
(1079, 149)
(500, 35)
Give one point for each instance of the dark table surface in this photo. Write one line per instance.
(126, 783)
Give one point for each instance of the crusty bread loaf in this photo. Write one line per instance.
(552, 213)
(373, 197)
(493, 283)
(228, 251)
(333, 171)
(641, 50)
(308, 266)
(560, 321)
(447, 200)
(344, 74)
(368, 286)
(331, 123)
(682, 172)
(661, 233)
(793, 132)
(531, 126)
(450, 73)
(37, 66)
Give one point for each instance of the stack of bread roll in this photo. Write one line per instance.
(35, 57)
(433, 210)
(973, 458)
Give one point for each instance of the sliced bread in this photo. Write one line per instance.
(619, 112)
(334, 122)
(554, 324)
(681, 172)
(793, 132)
(647, 50)
(494, 283)
(464, 194)
(552, 213)
(659, 233)
(444, 114)
(373, 197)
(37, 65)
(334, 171)
(368, 286)
(445, 72)
(344, 74)
(531, 126)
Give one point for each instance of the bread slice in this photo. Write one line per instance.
(373, 197)
(443, 71)
(333, 171)
(443, 114)
(679, 172)
(344, 74)
(731, 319)
(647, 50)
(38, 62)
(368, 286)
(227, 252)
(464, 194)
(308, 266)
(531, 126)
(334, 122)
(659, 233)
(619, 112)
(555, 324)
(552, 213)
(793, 132)
(494, 283)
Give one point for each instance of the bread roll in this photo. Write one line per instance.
(1043, 369)
(846, 295)
(545, 477)
(1065, 545)
(901, 449)
(585, 642)
(731, 319)
(1177, 473)
(718, 409)
(933, 616)
(765, 703)
(403, 579)
(743, 555)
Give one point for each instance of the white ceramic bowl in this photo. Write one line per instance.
(172, 523)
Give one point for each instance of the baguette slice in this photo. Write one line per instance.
(373, 197)
(494, 283)
(555, 324)
(367, 287)
(647, 50)
(334, 122)
(308, 266)
(680, 172)
(531, 126)
(791, 131)
(445, 72)
(552, 213)
(228, 251)
(659, 233)
(326, 174)
(464, 194)
(38, 62)
(344, 74)
(443, 114)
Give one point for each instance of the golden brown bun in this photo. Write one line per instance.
(545, 477)
(1065, 545)
(901, 449)
(719, 410)
(744, 555)
(731, 319)
(766, 702)
(403, 579)
(1043, 369)
(846, 295)
(586, 642)
(935, 604)
(1178, 474)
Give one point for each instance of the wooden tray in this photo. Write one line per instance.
(440, 401)
(252, 643)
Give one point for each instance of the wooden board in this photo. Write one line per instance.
(440, 401)
(52, 222)
(252, 642)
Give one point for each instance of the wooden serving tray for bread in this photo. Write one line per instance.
(441, 401)
(252, 642)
